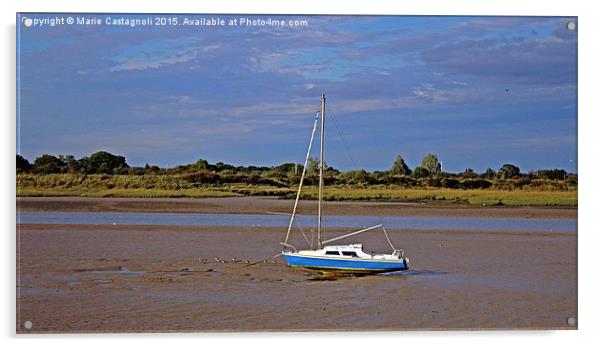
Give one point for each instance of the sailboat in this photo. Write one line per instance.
(325, 257)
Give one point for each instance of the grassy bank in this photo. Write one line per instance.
(155, 186)
(471, 196)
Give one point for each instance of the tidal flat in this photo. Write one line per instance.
(162, 278)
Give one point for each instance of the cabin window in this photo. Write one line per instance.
(332, 252)
(353, 254)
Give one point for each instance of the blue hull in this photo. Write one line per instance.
(344, 265)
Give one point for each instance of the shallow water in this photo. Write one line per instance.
(269, 220)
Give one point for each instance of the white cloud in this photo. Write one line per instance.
(143, 62)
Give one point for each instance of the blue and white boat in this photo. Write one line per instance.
(350, 258)
(336, 258)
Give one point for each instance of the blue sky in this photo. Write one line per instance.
(247, 95)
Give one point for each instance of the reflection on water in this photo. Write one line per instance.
(270, 220)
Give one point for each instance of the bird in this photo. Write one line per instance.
(218, 260)
(440, 245)
(507, 90)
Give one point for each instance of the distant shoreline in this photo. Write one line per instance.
(270, 205)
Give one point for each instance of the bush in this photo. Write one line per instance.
(404, 181)
(22, 164)
(201, 177)
(421, 172)
(450, 183)
(475, 184)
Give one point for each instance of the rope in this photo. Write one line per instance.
(345, 146)
(388, 240)
(303, 233)
(311, 140)
(351, 234)
(262, 260)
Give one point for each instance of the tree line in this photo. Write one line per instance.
(428, 173)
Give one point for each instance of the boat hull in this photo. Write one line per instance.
(352, 265)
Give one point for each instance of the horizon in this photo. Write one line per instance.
(31, 161)
(495, 90)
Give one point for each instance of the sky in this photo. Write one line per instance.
(478, 92)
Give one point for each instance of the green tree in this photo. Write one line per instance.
(23, 164)
(508, 171)
(105, 162)
(47, 163)
(82, 165)
(469, 173)
(314, 166)
(287, 167)
(431, 163)
(420, 172)
(555, 174)
(400, 167)
(201, 164)
(151, 169)
(489, 173)
(219, 166)
(70, 162)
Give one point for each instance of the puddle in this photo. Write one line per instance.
(115, 270)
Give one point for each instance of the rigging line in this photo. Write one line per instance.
(302, 233)
(347, 149)
(351, 234)
(387, 237)
(311, 140)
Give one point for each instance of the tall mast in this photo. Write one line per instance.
(321, 186)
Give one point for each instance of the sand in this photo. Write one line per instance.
(104, 278)
(261, 205)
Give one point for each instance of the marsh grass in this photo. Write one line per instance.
(155, 186)
(472, 196)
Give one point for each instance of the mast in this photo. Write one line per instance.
(321, 185)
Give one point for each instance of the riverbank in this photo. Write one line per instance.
(262, 205)
(480, 197)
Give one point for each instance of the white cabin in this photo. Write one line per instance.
(350, 252)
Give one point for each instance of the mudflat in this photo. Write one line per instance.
(105, 278)
(260, 205)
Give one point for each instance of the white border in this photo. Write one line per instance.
(589, 165)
